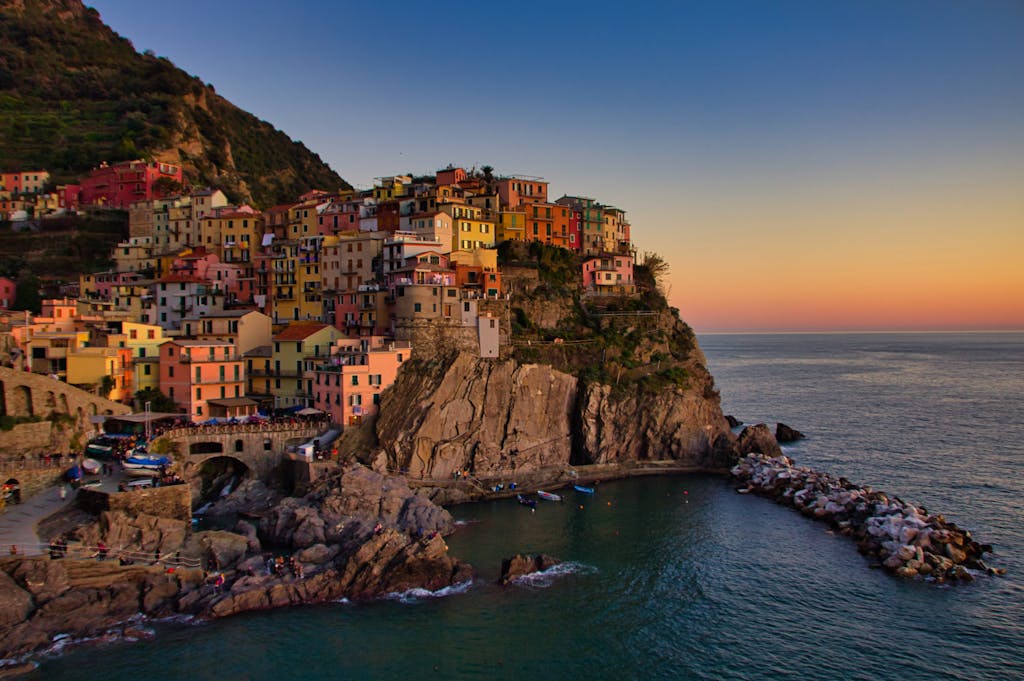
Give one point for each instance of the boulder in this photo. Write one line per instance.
(226, 548)
(759, 439)
(733, 421)
(15, 602)
(519, 565)
(784, 433)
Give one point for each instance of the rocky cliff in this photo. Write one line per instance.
(590, 400)
(356, 535)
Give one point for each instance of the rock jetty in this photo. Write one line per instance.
(904, 539)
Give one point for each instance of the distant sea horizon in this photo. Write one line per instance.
(845, 332)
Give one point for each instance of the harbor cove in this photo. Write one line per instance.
(680, 577)
(486, 341)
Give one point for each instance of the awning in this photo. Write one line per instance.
(233, 402)
(308, 411)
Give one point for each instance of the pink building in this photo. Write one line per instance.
(121, 184)
(349, 385)
(608, 273)
(205, 378)
(8, 291)
(450, 176)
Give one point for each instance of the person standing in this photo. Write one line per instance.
(63, 491)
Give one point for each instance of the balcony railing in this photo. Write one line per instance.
(186, 359)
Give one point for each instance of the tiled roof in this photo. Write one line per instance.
(299, 331)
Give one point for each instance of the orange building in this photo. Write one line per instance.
(206, 378)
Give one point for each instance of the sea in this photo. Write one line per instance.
(679, 577)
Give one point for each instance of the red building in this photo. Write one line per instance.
(122, 184)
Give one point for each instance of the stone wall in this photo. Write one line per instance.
(173, 501)
(26, 394)
(28, 439)
(33, 482)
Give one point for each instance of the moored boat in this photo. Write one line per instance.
(532, 503)
(145, 465)
(548, 495)
(584, 490)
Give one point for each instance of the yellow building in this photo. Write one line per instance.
(284, 370)
(395, 187)
(470, 229)
(511, 225)
(87, 367)
(48, 351)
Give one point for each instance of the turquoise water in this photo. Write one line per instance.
(679, 577)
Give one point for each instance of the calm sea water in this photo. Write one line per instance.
(681, 578)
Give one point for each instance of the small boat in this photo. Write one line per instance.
(145, 465)
(91, 466)
(584, 490)
(532, 503)
(548, 495)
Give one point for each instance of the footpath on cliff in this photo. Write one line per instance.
(19, 522)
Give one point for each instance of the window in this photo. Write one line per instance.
(267, 444)
(170, 372)
(417, 307)
(199, 374)
(355, 380)
(239, 446)
(147, 369)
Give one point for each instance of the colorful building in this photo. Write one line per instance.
(292, 346)
(122, 184)
(348, 384)
(26, 182)
(609, 274)
(205, 378)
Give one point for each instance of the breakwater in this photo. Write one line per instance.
(902, 538)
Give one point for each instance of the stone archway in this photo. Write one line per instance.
(62, 404)
(21, 401)
(50, 401)
(217, 476)
(3, 399)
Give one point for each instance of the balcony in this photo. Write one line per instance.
(186, 359)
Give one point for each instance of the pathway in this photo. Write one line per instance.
(18, 522)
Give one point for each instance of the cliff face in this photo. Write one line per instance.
(502, 418)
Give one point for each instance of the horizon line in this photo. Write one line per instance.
(783, 332)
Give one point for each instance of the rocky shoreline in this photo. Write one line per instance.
(902, 538)
(357, 535)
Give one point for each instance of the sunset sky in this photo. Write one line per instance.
(802, 165)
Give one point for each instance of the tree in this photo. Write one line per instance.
(653, 271)
(158, 402)
(166, 186)
(106, 385)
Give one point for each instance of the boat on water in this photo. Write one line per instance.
(145, 465)
(548, 495)
(584, 490)
(91, 466)
(532, 503)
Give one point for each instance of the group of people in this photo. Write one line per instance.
(280, 566)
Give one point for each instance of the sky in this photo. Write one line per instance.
(802, 165)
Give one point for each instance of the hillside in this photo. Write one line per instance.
(74, 93)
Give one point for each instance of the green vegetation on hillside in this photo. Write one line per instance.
(73, 93)
(633, 342)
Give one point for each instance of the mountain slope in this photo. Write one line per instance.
(74, 93)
